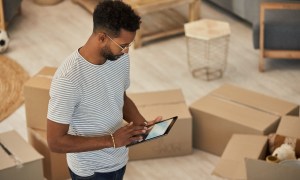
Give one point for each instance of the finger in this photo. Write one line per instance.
(135, 138)
(138, 132)
(139, 128)
(157, 119)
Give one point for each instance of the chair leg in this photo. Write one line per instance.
(261, 65)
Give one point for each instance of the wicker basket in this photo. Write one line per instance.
(207, 49)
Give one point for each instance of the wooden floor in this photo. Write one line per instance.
(45, 35)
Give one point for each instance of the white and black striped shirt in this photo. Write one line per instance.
(90, 99)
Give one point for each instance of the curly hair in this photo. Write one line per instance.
(112, 16)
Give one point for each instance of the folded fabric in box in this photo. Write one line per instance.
(276, 140)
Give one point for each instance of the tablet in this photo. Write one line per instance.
(157, 130)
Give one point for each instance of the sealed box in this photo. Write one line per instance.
(54, 164)
(19, 160)
(167, 104)
(244, 156)
(36, 92)
(231, 109)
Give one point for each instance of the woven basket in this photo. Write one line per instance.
(207, 58)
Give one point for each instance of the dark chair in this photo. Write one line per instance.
(8, 9)
(277, 35)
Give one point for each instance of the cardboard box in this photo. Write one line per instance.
(24, 163)
(167, 104)
(36, 92)
(230, 109)
(54, 164)
(244, 156)
(240, 146)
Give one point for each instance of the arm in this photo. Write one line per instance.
(61, 142)
(131, 113)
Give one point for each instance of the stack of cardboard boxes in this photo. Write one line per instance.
(230, 121)
(163, 103)
(36, 93)
(233, 122)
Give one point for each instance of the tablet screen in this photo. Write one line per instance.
(156, 130)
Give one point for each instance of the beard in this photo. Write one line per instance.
(107, 54)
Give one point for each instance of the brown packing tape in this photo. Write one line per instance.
(17, 161)
(223, 98)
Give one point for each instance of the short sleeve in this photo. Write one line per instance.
(63, 99)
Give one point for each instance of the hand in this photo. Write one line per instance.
(157, 119)
(150, 123)
(128, 134)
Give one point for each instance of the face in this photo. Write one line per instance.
(107, 54)
(116, 47)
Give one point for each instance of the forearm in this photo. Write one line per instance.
(131, 113)
(70, 143)
(61, 142)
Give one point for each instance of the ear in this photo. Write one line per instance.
(101, 37)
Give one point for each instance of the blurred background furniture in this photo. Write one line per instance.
(278, 33)
(159, 18)
(8, 9)
(247, 10)
(166, 28)
(207, 47)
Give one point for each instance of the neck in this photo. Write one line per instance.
(91, 53)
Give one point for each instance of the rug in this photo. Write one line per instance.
(12, 79)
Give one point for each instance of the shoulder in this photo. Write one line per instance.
(69, 68)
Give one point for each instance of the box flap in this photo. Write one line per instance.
(231, 164)
(236, 113)
(159, 97)
(289, 126)
(255, 100)
(42, 79)
(259, 169)
(166, 111)
(18, 147)
(47, 71)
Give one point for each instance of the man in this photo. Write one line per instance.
(88, 100)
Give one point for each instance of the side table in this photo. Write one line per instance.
(207, 47)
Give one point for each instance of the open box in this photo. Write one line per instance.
(23, 163)
(231, 109)
(244, 156)
(54, 164)
(167, 104)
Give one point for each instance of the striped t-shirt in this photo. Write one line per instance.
(90, 99)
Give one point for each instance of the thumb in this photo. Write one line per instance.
(158, 118)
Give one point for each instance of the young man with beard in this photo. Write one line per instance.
(88, 100)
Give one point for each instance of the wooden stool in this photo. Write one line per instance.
(207, 47)
(146, 7)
